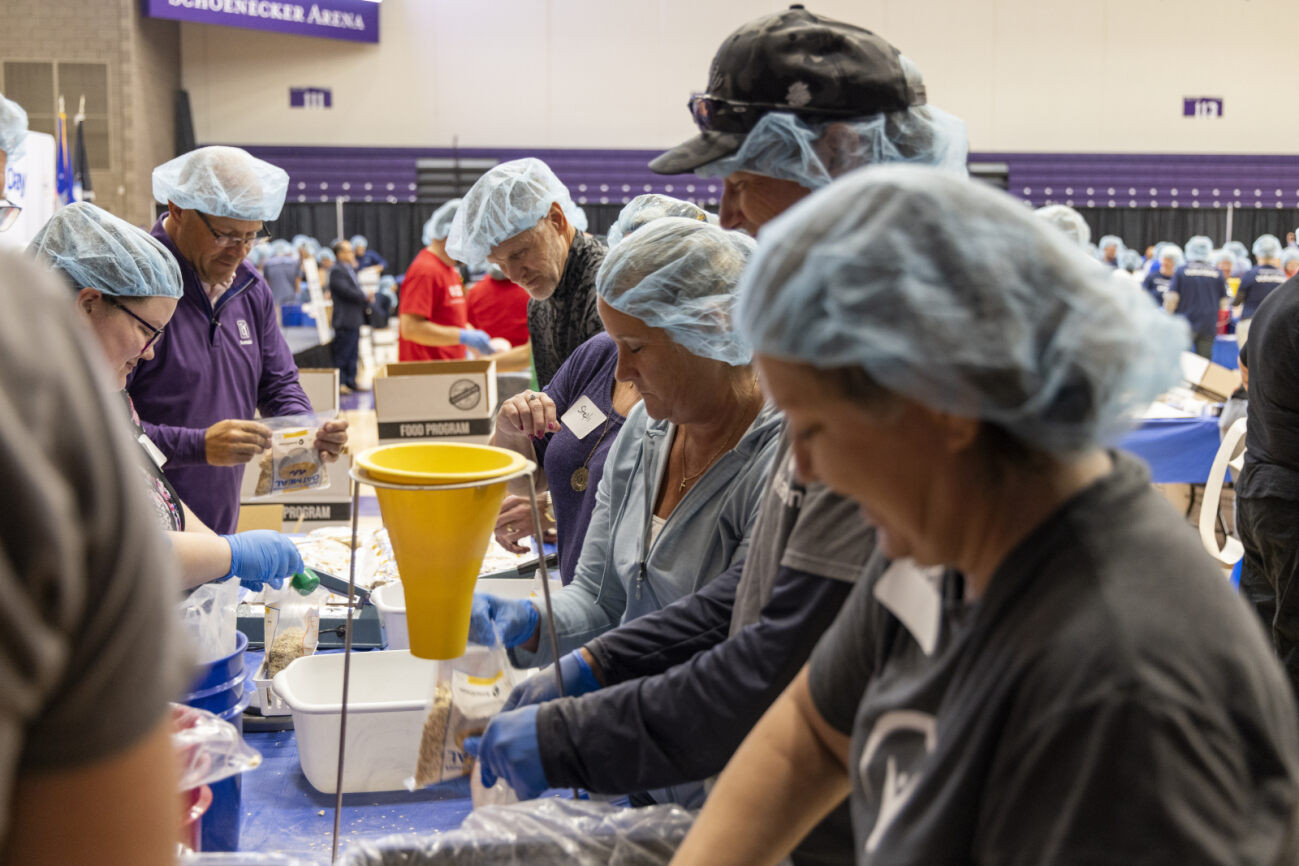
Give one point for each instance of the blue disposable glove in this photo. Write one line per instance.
(508, 750)
(540, 687)
(479, 341)
(514, 619)
(262, 556)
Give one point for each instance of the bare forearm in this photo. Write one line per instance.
(419, 330)
(787, 775)
(202, 556)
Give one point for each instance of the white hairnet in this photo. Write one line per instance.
(508, 200)
(681, 274)
(360, 241)
(1238, 249)
(950, 293)
(95, 249)
(438, 226)
(224, 182)
(1267, 246)
(325, 254)
(1198, 249)
(1130, 260)
(1170, 251)
(652, 206)
(13, 129)
(1290, 254)
(281, 247)
(1222, 255)
(1067, 220)
(1111, 240)
(811, 154)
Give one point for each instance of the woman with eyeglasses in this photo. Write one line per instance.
(127, 286)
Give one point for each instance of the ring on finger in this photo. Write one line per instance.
(530, 397)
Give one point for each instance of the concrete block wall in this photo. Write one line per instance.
(143, 60)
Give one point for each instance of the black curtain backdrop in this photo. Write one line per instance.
(1143, 227)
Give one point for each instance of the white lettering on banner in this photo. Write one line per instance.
(334, 18)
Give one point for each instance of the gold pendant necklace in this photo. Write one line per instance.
(581, 476)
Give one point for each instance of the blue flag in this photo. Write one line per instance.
(65, 178)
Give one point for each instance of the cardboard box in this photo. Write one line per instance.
(1208, 380)
(326, 506)
(419, 401)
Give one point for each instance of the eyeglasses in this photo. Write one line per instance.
(155, 334)
(233, 240)
(715, 114)
(8, 214)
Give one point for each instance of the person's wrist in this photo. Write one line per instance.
(579, 678)
(230, 545)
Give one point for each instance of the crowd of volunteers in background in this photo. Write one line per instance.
(850, 561)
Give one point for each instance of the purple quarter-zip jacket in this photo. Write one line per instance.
(213, 364)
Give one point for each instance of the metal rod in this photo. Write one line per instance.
(545, 590)
(347, 671)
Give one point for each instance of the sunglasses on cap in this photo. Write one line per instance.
(8, 214)
(716, 114)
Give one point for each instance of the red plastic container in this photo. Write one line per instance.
(194, 804)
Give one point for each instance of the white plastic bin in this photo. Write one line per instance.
(389, 693)
(390, 601)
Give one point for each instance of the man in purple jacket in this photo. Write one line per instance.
(224, 355)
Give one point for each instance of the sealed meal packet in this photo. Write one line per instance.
(467, 692)
(292, 463)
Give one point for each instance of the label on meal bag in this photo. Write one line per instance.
(292, 463)
(289, 635)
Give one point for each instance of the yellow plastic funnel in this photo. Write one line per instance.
(439, 537)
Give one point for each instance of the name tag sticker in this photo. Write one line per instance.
(155, 455)
(914, 597)
(583, 417)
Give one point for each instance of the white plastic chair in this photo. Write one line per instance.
(1231, 552)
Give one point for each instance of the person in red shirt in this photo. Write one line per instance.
(434, 318)
(500, 308)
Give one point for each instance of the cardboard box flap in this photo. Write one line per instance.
(1207, 378)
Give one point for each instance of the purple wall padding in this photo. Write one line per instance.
(616, 176)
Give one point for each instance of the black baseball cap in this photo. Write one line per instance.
(793, 61)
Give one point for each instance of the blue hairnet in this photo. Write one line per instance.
(259, 253)
(1222, 255)
(1267, 246)
(1169, 251)
(224, 182)
(652, 206)
(812, 153)
(438, 226)
(1238, 249)
(1067, 220)
(1198, 249)
(1130, 260)
(508, 200)
(1291, 254)
(325, 253)
(13, 129)
(281, 247)
(95, 249)
(1111, 240)
(680, 274)
(950, 293)
(360, 241)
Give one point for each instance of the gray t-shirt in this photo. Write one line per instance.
(1108, 700)
(88, 661)
(808, 528)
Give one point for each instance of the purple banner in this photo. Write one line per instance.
(1201, 106)
(355, 20)
(311, 97)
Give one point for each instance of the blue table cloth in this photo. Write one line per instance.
(1226, 353)
(1178, 450)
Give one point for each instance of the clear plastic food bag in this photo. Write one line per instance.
(292, 628)
(466, 693)
(292, 463)
(208, 748)
(208, 614)
(548, 832)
